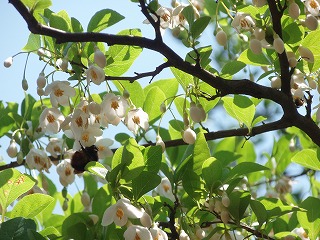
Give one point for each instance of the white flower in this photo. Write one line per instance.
(120, 212)
(221, 37)
(103, 145)
(294, 10)
(311, 22)
(159, 142)
(145, 219)
(158, 234)
(95, 74)
(41, 80)
(38, 159)
(12, 150)
(137, 118)
(183, 235)
(278, 44)
(242, 21)
(50, 120)
(88, 136)
(65, 172)
(255, 46)
(114, 108)
(313, 7)
(137, 232)
(164, 189)
(189, 136)
(276, 82)
(99, 57)
(60, 92)
(306, 54)
(284, 185)
(56, 146)
(8, 62)
(301, 233)
(62, 64)
(197, 112)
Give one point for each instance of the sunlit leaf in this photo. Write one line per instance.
(103, 19)
(307, 158)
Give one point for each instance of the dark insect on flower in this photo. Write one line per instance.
(298, 102)
(80, 158)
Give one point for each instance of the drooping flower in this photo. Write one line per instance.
(38, 159)
(157, 233)
(114, 108)
(137, 118)
(50, 120)
(88, 136)
(103, 145)
(120, 212)
(41, 80)
(197, 112)
(221, 37)
(159, 142)
(183, 235)
(62, 63)
(278, 44)
(56, 146)
(294, 10)
(99, 57)
(60, 92)
(12, 150)
(313, 7)
(165, 189)
(135, 232)
(65, 172)
(242, 21)
(189, 136)
(95, 74)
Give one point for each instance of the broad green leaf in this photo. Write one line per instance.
(121, 137)
(168, 86)
(27, 106)
(245, 168)
(31, 205)
(34, 235)
(201, 153)
(136, 92)
(175, 128)
(199, 26)
(17, 228)
(37, 5)
(12, 185)
(152, 157)
(188, 13)
(191, 184)
(239, 201)
(50, 231)
(231, 68)
(212, 173)
(204, 55)
(180, 102)
(310, 41)
(33, 44)
(76, 25)
(155, 97)
(144, 183)
(6, 121)
(183, 78)
(76, 226)
(55, 221)
(91, 183)
(248, 57)
(61, 20)
(240, 108)
(258, 120)
(103, 19)
(275, 207)
(97, 169)
(310, 220)
(260, 211)
(307, 158)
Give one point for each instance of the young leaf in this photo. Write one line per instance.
(183, 78)
(103, 19)
(231, 68)
(260, 211)
(33, 44)
(31, 205)
(248, 57)
(13, 184)
(199, 26)
(307, 158)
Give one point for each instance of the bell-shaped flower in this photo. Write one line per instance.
(50, 120)
(65, 172)
(87, 137)
(189, 136)
(38, 159)
(135, 232)
(12, 150)
(114, 108)
(103, 145)
(313, 7)
(78, 121)
(242, 21)
(95, 74)
(197, 112)
(137, 118)
(164, 189)
(157, 233)
(120, 212)
(99, 57)
(56, 146)
(183, 235)
(60, 92)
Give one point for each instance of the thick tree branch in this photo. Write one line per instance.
(291, 116)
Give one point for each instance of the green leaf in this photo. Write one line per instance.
(245, 168)
(103, 19)
(258, 120)
(310, 220)
(168, 86)
(144, 183)
(102, 199)
(76, 226)
(240, 108)
(60, 21)
(50, 232)
(199, 26)
(307, 158)
(188, 13)
(183, 78)
(97, 169)
(152, 157)
(17, 228)
(212, 173)
(27, 208)
(155, 97)
(33, 44)
(260, 211)
(76, 25)
(248, 57)
(6, 121)
(136, 92)
(275, 207)
(231, 68)
(310, 41)
(201, 153)
(12, 185)
(239, 201)
(121, 137)
(191, 184)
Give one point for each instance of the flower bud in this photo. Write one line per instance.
(260, 34)
(197, 112)
(183, 235)
(159, 142)
(218, 207)
(146, 220)
(276, 82)
(163, 107)
(94, 218)
(311, 22)
(278, 44)
(64, 192)
(64, 64)
(292, 145)
(24, 84)
(65, 205)
(255, 46)
(8, 62)
(99, 58)
(85, 199)
(221, 37)
(20, 157)
(306, 54)
(225, 200)
(225, 217)
(41, 81)
(294, 10)
(126, 94)
(189, 136)
(12, 150)
(292, 59)
(200, 233)
(40, 91)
